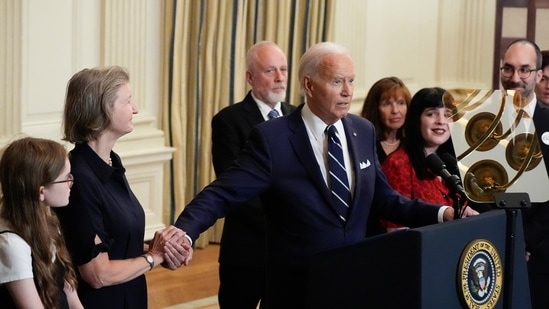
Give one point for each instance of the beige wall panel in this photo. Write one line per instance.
(46, 65)
(350, 24)
(426, 43)
(465, 44)
(10, 69)
(513, 23)
(542, 28)
(384, 41)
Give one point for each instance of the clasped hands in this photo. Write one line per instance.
(174, 247)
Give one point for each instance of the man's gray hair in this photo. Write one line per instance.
(311, 58)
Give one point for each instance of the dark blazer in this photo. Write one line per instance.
(278, 162)
(536, 225)
(536, 219)
(243, 238)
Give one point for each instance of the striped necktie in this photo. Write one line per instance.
(339, 183)
(273, 114)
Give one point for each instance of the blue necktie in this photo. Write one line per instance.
(339, 184)
(273, 114)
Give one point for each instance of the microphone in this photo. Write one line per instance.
(452, 181)
(474, 184)
(435, 163)
(450, 160)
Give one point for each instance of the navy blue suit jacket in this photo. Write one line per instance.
(278, 163)
(243, 238)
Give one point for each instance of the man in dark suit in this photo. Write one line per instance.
(242, 250)
(521, 71)
(285, 162)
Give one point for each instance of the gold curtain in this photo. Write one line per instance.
(205, 44)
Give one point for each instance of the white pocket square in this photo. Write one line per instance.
(364, 165)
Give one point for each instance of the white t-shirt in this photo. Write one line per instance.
(15, 256)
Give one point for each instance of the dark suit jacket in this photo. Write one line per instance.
(243, 238)
(536, 219)
(278, 163)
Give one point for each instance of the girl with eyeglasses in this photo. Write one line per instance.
(35, 267)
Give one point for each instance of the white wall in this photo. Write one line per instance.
(446, 43)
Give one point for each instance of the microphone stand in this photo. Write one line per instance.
(453, 183)
(512, 203)
(457, 202)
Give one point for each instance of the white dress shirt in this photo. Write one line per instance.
(319, 141)
(265, 109)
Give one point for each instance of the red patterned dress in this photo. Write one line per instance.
(402, 177)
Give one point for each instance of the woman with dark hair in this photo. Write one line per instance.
(426, 131)
(385, 106)
(35, 267)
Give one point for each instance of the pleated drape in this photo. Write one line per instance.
(205, 44)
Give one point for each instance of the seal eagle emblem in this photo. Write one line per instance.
(480, 275)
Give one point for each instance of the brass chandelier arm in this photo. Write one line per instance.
(506, 133)
(524, 164)
(486, 134)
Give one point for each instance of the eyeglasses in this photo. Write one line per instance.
(522, 72)
(70, 180)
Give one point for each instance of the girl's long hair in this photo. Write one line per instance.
(25, 166)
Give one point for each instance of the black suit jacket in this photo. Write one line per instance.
(536, 219)
(243, 238)
(278, 162)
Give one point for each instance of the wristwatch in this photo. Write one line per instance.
(149, 260)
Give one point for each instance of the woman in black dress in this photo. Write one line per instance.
(104, 223)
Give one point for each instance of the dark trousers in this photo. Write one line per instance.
(287, 287)
(241, 287)
(539, 290)
(536, 233)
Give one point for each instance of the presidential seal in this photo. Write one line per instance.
(480, 275)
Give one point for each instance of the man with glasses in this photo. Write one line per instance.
(521, 71)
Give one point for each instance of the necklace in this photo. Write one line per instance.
(391, 144)
(110, 162)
